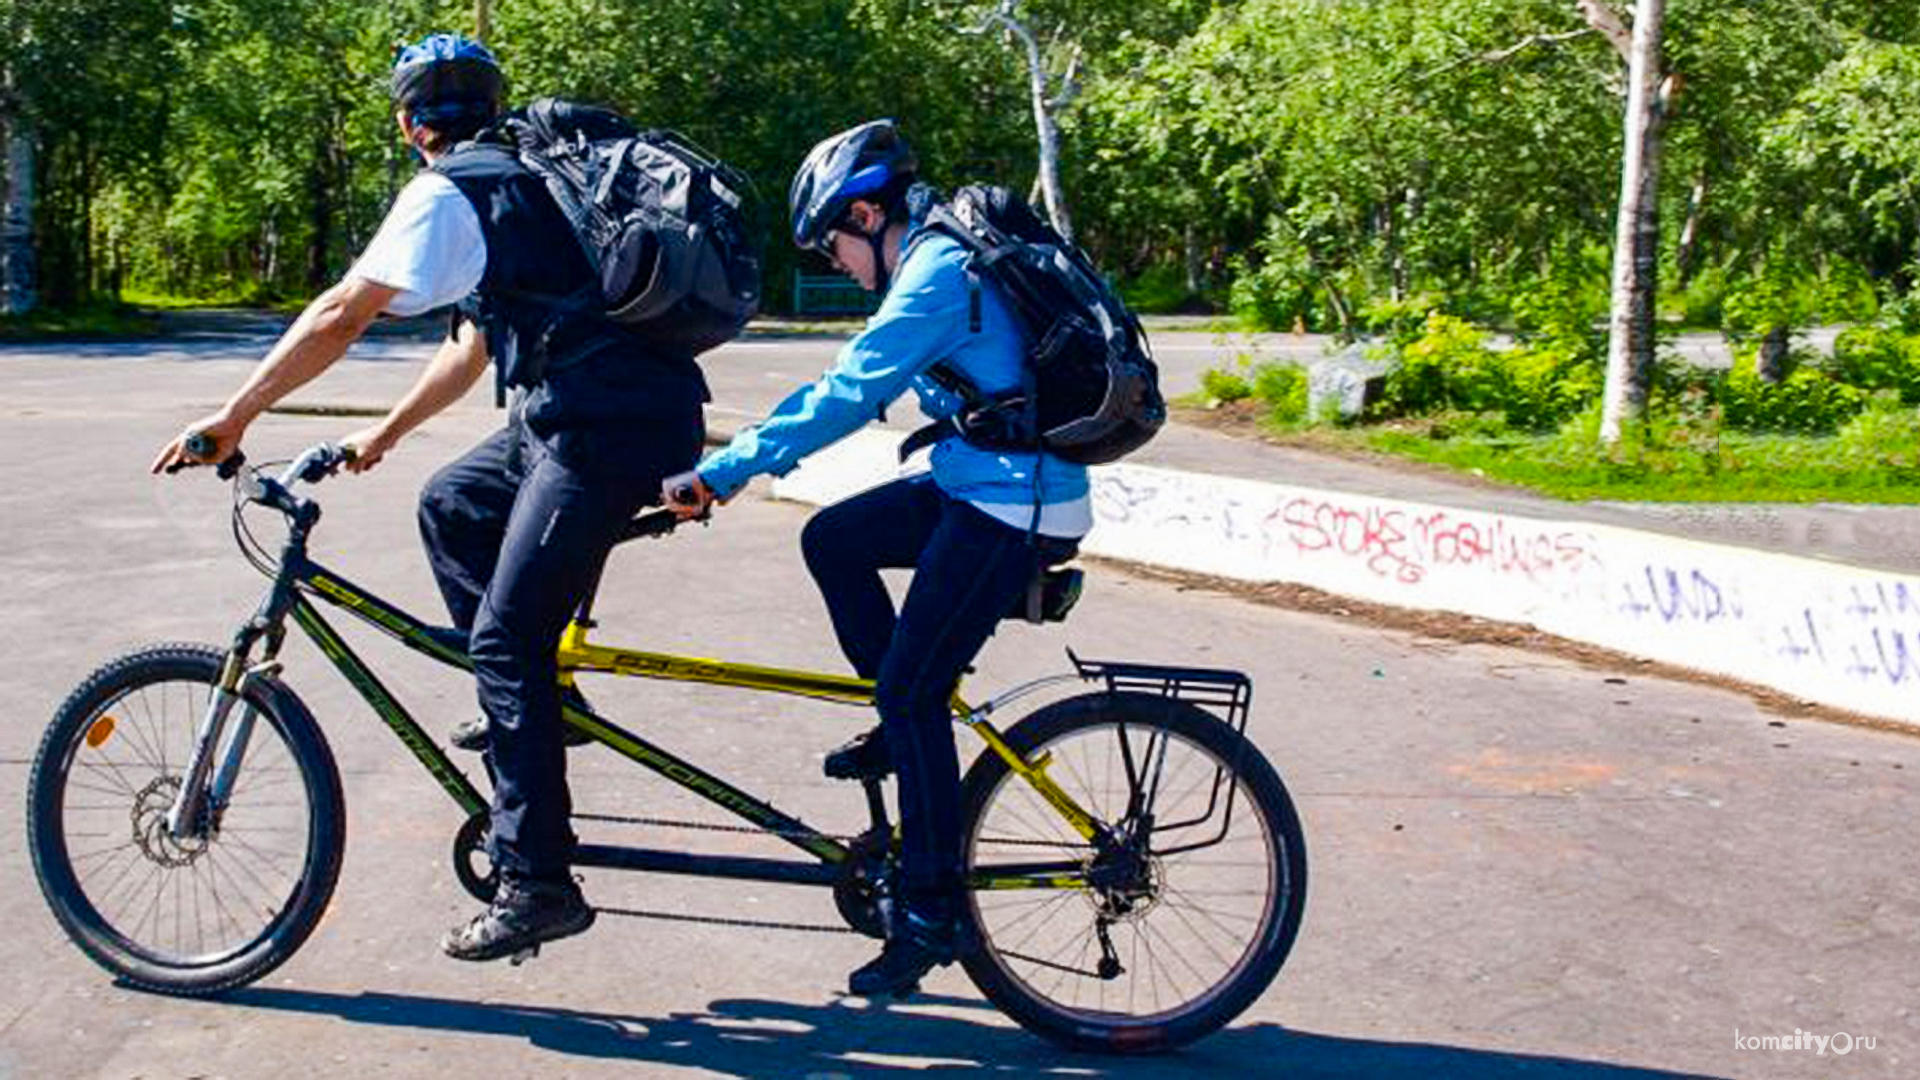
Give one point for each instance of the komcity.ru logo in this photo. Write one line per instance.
(1839, 1042)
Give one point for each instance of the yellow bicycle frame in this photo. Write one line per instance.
(577, 654)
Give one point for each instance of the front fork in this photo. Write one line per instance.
(198, 805)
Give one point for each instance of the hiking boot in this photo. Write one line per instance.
(916, 944)
(471, 733)
(522, 916)
(863, 758)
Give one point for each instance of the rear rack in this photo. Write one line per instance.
(1228, 694)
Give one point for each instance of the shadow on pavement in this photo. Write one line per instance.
(756, 1039)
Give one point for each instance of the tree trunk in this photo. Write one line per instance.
(17, 292)
(1049, 138)
(1690, 232)
(1770, 362)
(1196, 269)
(1636, 252)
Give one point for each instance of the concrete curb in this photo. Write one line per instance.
(1822, 632)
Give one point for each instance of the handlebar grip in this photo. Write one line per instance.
(201, 445)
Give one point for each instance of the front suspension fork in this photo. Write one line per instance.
(197, 806)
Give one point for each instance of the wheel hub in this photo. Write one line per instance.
(1126, 885)
(150, 831)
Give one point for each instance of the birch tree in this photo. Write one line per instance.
(1048, 93)
(1636, 247)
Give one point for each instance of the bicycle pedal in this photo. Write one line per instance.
(523, 955)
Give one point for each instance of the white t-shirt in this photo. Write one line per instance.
(430, 247)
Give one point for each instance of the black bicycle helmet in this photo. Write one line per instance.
(859, 161)
(446, 77)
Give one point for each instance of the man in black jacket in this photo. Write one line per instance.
(516, 527)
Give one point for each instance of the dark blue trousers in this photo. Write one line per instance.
(969, 569)
(515, 530)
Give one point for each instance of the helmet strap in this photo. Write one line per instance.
(882, 277)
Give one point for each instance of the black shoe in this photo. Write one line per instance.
(522, 916)
(861, 759)
(916, 944)
(471, 734)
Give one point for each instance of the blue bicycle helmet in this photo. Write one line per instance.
(446, 77)
(855, 163)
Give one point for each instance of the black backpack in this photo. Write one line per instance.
(665, 224)
(1092, 392)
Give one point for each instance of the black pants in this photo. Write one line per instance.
(515, 530)
(969, 569)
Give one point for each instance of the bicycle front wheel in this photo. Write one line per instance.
(183, 915)
(1162, 936)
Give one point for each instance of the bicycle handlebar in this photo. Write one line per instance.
(325, 459)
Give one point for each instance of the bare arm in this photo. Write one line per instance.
(458, 364)
(321, 334)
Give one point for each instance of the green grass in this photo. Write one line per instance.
(1874, 459)
(93, 321)
(1735, 468)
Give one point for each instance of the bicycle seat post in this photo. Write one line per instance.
(583, 616)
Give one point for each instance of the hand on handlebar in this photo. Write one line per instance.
(686, 495)
(365, 448)
(207, 441)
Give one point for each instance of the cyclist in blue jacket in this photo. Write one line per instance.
(975, 529)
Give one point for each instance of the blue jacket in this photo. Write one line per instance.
(923, 319)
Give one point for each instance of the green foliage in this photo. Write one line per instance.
(1808, 399)
(1318, 162)
(1880, 358)
(1161, 289)
(1452, 367)
(1224, 387)
(1283, 389)
(1277, 294)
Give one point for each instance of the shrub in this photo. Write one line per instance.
(1886, 435)
(1160, 290)
(1224, 386)
(1448, 367)
(1452, 367)
(1808, 399)
(1879, 358)
(1283, 389)
(1278, 294)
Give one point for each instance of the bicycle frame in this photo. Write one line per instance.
(299, 579)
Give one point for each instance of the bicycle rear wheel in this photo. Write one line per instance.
(1171, 933)
(200, 914)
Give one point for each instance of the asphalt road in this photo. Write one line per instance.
(1520, 867)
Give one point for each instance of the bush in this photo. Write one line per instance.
(1879, 358)
(1276, 295)
(1224, 387)
(1807, 400)
(1162, 290)
(1703, 302)
(1451, 367)
(1886, 435)
(1283, 389)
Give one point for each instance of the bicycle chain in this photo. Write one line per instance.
(721, 920)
